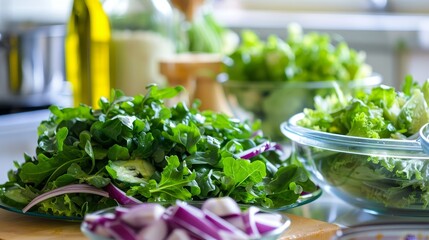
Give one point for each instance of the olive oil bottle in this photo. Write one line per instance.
(87, 52)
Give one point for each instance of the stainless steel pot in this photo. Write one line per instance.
(32, 67)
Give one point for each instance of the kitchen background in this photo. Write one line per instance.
(393, 33)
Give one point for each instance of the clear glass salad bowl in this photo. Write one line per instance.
(380, 176)
(273, 101)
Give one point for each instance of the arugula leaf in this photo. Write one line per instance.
(188, 136)
(117, 152)
(240, 170)
(75, 172)
(174, 184)
(206, 182)
(61, 136)
(242, 178)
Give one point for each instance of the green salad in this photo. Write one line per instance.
(141, 149)
(383, 113)
(300, 57)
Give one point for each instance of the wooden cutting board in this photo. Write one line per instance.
(309, 229)
(14, 226)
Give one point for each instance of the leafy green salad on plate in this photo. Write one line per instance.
(144, 149)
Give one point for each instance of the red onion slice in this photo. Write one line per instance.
(255, 151)
(74, 188)
(120, 196)
(144, 214)
(157, 230)
(249, 221)
(193, 220)
(225, 206)
(267, 222)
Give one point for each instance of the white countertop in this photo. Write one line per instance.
(18, 135)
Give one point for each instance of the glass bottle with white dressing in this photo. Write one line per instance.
(141, 35)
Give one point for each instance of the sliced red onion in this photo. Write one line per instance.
(73, 188)
(267, 222)
(157, 230)
(255, 151)
(120, 211)
(249, 221)
(179, 234)
(98, 223)
(186, 222)
(193, 219)
(236, 220)
(231, 236)
(232, 232)
(120, 231)
(94, 220)
(102, 231)
(143, 214)
(120, 196)
(225, 206)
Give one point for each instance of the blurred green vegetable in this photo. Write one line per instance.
(205, 34)
(300, 57)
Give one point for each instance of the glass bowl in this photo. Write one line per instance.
(273, 102)
(272, 235)
(385, 231)
(380, 176)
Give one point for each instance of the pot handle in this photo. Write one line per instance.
(2, 44)
(3, 41)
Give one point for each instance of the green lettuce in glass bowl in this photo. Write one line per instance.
(365, 150)
(272, 80)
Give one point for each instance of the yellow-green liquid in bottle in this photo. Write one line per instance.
(87, 52)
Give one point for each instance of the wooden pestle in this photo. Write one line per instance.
(188, 7)
(197, 72)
